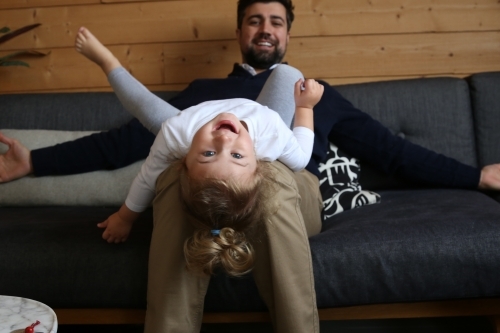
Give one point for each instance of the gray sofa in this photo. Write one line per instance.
(420, 252)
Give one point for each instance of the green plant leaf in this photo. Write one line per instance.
(6, 60)
(18, 32)
(31, 53)
(13, 63)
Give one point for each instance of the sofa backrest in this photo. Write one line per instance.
(485, 98)
(87, 111)
(432, 112)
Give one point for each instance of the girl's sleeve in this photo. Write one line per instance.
(298, 147)
(142, 191)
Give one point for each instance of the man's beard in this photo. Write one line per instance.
(263, 60)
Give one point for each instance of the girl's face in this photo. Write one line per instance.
(222, 149)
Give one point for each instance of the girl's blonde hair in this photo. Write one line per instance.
(228, 215)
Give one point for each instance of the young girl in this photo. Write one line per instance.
(221, 148)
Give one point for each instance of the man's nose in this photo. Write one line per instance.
(264, 35)
(265, 27)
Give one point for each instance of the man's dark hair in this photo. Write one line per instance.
(244, 4)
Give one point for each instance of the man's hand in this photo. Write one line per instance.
(490, 177)
(118, 225)
(310, 95)
(16, 162)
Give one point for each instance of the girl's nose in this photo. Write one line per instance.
(223, 138)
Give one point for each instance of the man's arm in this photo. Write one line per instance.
(101, 151)
(336, 120)
(107, 150)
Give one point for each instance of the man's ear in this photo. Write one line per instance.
(238, 34)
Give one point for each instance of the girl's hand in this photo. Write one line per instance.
(116, 230)
(117, 226)
(310, 95)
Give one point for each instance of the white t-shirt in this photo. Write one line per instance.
(272, 139)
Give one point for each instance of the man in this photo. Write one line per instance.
(175, 298)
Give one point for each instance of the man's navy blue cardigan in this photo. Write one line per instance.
(335, 120)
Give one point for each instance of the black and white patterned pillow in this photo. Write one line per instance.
(339, 184)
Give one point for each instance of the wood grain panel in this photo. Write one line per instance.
(395, 55)
(185, 62)
(331, 58)
(122, 1)
(10, 4)
(352, 17)
(125, 23)
(350, 56)
(167, 21)
(67, 69)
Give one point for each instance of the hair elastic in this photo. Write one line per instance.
(215, 232)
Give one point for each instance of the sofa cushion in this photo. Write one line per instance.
(89, 111)
(339, 184)
(485, 97)
(99, 188)
(56, 255)
(415, 245)
(434, 113)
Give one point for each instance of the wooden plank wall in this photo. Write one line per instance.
(166, 44)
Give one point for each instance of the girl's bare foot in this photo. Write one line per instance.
(88, 45)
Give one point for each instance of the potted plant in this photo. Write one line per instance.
(9, 59)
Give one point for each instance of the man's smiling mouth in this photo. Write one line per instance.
(265, 44)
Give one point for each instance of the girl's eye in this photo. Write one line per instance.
(208, 153)
(236, 155)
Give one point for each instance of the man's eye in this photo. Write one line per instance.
(236, 155)
(208, 153)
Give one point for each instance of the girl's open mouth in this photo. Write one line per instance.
(226, 124)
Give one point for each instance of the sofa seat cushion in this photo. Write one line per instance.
(414, 246)
(418, 245)
(56, 255)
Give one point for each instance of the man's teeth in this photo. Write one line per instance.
(264, 44)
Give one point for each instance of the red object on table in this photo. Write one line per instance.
(31, 329)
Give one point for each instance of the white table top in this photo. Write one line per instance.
(17, 313)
